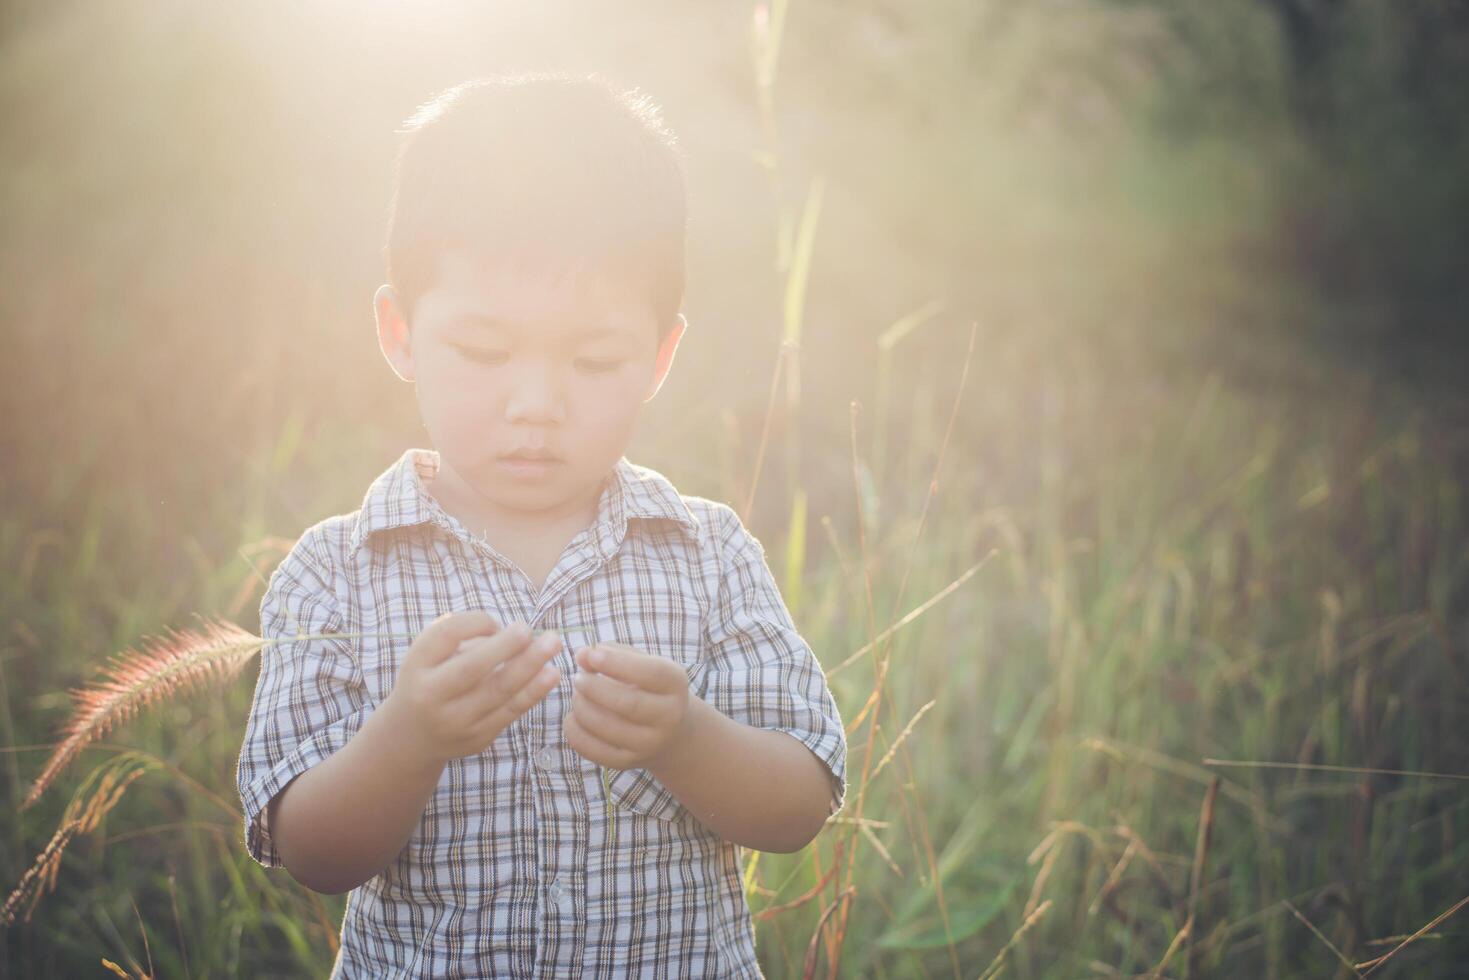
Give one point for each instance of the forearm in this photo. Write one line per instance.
(757, 787)
(343, 820)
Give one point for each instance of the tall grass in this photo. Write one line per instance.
(1182, 572)
(1278, 581)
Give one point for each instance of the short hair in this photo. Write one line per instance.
(557, 173)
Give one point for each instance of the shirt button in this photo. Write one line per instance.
(545, 758)
(555, 891)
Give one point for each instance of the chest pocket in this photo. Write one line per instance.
(637, 791)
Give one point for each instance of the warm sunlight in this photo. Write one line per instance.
(787, 488)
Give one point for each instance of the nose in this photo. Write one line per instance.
(536, 395)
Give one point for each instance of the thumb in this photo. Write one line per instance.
(451, 629)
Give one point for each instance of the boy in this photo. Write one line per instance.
(504, 802)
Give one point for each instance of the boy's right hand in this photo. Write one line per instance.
(464, 680)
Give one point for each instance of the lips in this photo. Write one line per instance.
(531, 456)
(530, 464)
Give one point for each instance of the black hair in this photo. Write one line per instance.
(558, 173)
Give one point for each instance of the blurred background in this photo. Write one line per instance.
(1163, 302)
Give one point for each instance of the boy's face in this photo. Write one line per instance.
(529, 388)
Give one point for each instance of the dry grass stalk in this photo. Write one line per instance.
(998, 963)
(82, 815)
(1317, 767)
(1327, 942)
(1042, 876)
(1372, 966)
(859, 821)
(41, 876)
(867, 832)
(1185, 935)
(808, 969)
(1049, 850)
(933, 486)
(1394, 940)
(917, 611)
(147, 951)
(1113, 878)
(1068, 828)
(1123, 752)
(1173, 946)
(1154, 864)
(770, 911)
(908, 728)
(1201, 855)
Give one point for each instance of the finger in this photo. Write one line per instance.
(499, 686)
(499, 714)
(629, 665)
(608, 725)
(479, 658)
(630, 702)
(590, 747)
(452, 629)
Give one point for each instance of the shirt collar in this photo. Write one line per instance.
(398, 498)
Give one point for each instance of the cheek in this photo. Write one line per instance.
(452, 403)
(610, 407)
(603, 429)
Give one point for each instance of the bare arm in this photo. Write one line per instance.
(754, 786)
(346, 818)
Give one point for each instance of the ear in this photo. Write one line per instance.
(393, 336)
(664, 360)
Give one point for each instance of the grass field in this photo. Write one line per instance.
(1181, 572)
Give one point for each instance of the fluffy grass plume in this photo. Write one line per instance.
(179, 661)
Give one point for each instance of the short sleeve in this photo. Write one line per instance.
(756, 668)
(309, 698)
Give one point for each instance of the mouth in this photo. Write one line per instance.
(531, 456)
(530, 463)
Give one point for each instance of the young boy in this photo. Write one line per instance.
(594, 695)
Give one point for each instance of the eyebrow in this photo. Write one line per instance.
(484, 322)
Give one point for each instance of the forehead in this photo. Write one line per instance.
(473, 289)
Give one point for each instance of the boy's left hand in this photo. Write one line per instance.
(627, 706)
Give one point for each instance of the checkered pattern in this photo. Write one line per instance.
(515, 869)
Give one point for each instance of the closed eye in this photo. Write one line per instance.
(483, 356)
(598, 365)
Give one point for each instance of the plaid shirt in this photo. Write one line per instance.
(520, 866)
